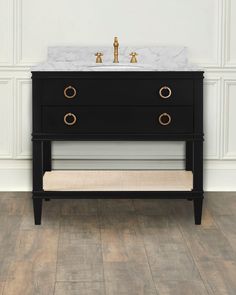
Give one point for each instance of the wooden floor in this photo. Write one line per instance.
(117, 247)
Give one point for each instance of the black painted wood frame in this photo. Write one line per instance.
(41, 158)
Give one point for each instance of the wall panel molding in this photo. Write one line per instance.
(217, 63)
(230, 34)
(23, 118)
(6, 32)
(229, 148)
(212, 118)
(18, 33)
(6, 118)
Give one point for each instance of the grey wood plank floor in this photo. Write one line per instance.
(117, 247)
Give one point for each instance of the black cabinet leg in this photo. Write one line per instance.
(47, 156)
(197, 203)
(198, 166)
(198, 179)
(37, 203)
(37, 178)
(189, 156)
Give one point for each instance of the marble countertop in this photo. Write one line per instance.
(149, 59)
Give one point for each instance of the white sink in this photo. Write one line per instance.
(116, 67)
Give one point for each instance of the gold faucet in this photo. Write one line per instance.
(116, 46)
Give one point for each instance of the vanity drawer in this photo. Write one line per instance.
(117, 119)
(117, 92)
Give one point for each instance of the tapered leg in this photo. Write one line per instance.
(47, 156)
(198, 165)
(37, 179)
(37, 165)
(37, 203)
(198, 179)
(189, 156)
(197, 204)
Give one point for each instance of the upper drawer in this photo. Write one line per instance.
(117, 92)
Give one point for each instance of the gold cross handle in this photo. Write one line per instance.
(133, 57)
(99, 57)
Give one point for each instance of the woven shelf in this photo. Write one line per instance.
(118, 180)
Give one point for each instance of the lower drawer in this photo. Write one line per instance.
(108, 119)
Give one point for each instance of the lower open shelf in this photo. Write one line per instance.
(118, 180)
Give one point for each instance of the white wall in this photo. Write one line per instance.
(207, 27)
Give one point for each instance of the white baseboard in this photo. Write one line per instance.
(15, 175)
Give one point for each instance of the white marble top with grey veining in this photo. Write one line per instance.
(149, 59)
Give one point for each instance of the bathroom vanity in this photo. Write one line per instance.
(83, 103)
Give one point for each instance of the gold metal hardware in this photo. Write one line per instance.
(99, 57)
(133, 57)
(116, 52)
(70, 88)
(164, 119)
(70, 115)
(165, 88)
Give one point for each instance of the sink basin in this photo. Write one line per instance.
(116, 67)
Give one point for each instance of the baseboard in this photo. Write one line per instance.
(15, 175)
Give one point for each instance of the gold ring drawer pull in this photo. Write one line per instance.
(69, 115)
(164, 119)
(164, 88)
(71, 88)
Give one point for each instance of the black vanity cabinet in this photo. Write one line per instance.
(163, 106)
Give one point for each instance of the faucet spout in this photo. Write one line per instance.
(116, 52)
